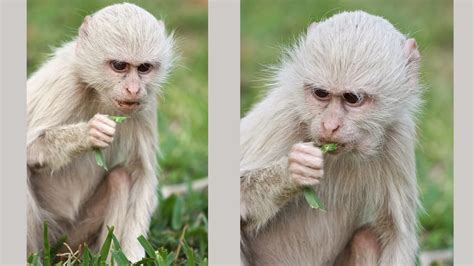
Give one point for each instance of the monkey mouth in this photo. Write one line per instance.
(126, 106)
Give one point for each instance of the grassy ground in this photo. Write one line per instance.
(182, 111)
(268, 25)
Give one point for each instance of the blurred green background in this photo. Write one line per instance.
(182, 111)
(269, 25)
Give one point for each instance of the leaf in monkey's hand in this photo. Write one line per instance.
(309, 194)
(99, 155)
(100, 159)
(328, 147)
(312, 199)
(117, 118)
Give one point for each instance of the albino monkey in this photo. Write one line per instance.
(115, 66)
(352, 80)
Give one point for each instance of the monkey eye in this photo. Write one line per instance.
(353, 99)
(144, 68)
(321, 94)
(119, 66)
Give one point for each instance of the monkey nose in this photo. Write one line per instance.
(329, 128)
(133, 91)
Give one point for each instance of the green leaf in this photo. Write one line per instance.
(117, 253)
(329, 147)
(118, 119)
(309, 194)
(86, 256)
(116, 243)
(95, 260)
(176, 221)
(147, 246)
(100, 159)
(99, 155)
(46, 247)
(34, 260)
(170, 258)
(160, 260)
(203, 262)
(312, 199)
(104, 251)
(189, 254)
(120, 257)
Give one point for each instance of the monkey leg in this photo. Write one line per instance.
(362, 250)
(106, 207)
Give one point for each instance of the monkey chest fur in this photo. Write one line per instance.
(299, 235)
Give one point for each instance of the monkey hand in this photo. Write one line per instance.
(305, 164)
(100, 131)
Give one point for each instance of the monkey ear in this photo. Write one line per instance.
(312, 28)
(84, 27)
(410, 49)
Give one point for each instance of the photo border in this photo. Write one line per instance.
(13, 132)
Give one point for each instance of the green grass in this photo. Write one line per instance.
(269, 25)
(111, 253)
(182, 111)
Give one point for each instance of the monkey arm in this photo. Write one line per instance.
(141, 205)
(396, 221)
(55, 147)
(396, 228)
(263, 193)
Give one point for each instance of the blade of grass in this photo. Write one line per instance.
(117, 118)
(100, 158)
(161, 261)
(118, 254)
(99, 155)
(147, 246)
(104, 251)
(313, 199)
(46, 247)
(203, 262)
(34, 260)
(120, 257)
(86, 256)
(176, 221)
(309, 193)
(189, 254)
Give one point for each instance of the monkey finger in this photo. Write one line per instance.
(101, 136)
(309, 148)
(299, 169)
(106, 120)
(96, 143)
(104, 128)
(304, 181)
(306, 160)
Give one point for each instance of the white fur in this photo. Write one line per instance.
(375, 184)
(67, 91)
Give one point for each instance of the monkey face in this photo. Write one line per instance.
(358, 77)
(340, 117)
(130, 84)
(124, 53)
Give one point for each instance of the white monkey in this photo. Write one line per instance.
(115, 66)
(351, 79)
